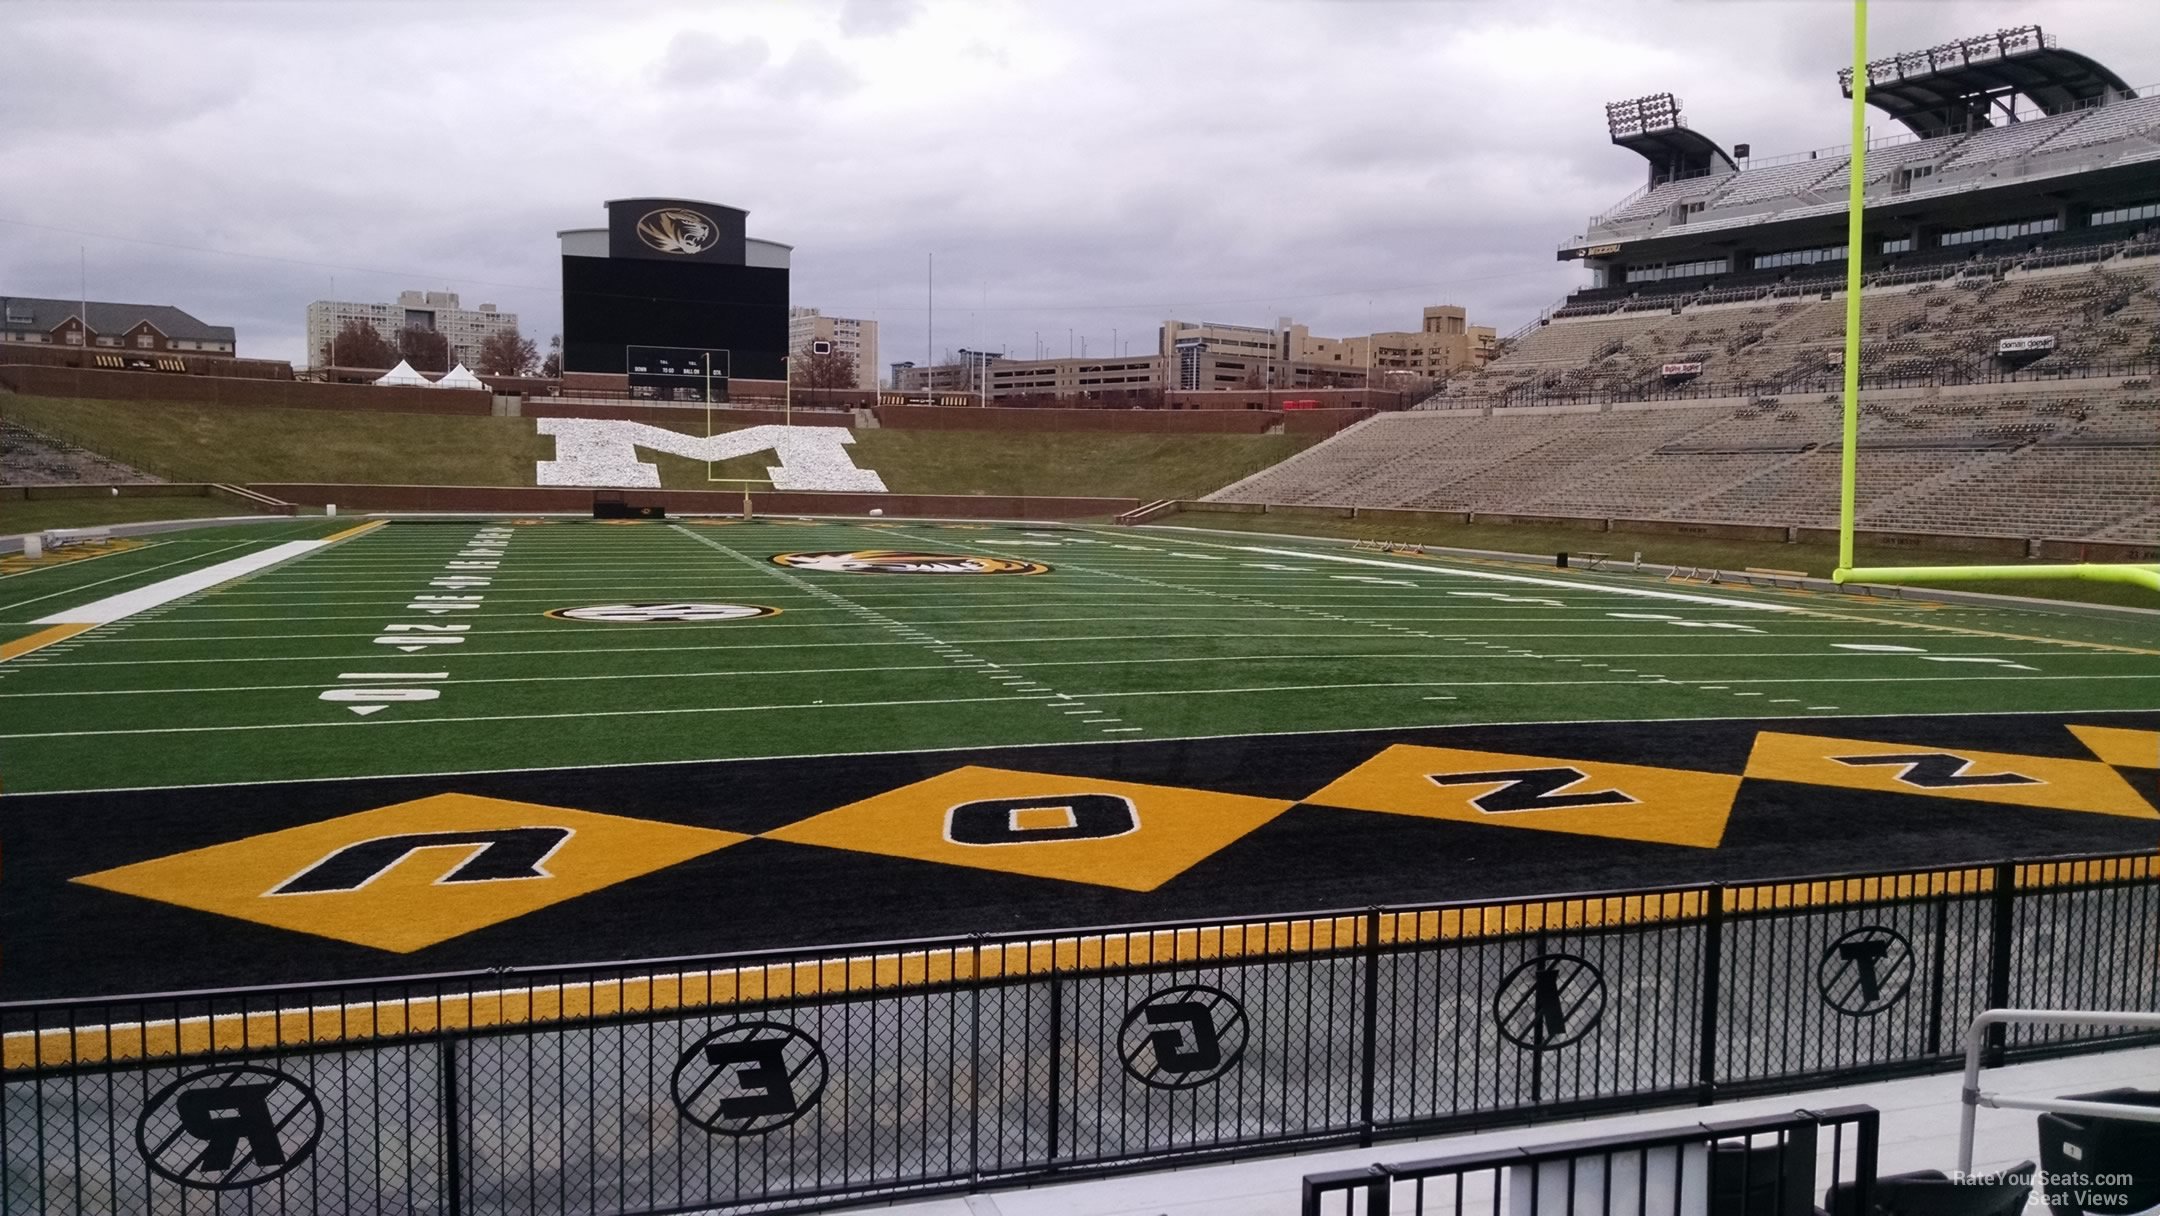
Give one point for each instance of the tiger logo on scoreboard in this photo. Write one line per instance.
(906, 561)
(676, 230)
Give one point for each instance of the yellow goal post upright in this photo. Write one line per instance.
(749, 511)
(2147, 575)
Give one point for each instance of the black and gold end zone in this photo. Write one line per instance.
(230, 886)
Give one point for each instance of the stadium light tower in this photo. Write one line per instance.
(1638, 115)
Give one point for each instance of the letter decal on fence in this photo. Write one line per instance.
(1549, 1002)
(1183, 1037)
(597, 452)
(230, 1127)
(1866, 971)
(749, 1079)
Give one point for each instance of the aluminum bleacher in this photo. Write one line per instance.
(2077, 460)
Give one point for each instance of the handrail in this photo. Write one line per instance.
(1376, 1181)
(1976, 1038)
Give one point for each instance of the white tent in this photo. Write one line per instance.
(458, 377)
(403, 374)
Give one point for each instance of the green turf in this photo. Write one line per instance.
(1662, 548)
(229, 444)
(1135, 634)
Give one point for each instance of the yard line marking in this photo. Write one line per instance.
(39, 641)
(959, 658)
(1062, 698)
(981, 747)
(1496, 576)
(1700, 599)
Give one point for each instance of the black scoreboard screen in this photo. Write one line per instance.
(613, 304)
(677, 373)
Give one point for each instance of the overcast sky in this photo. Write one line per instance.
(1085, 167)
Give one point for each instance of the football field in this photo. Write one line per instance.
(388, 652)
(871, 730)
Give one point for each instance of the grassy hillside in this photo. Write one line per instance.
(208, 443)
(17, 515)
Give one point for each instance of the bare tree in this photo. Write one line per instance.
(829, 370)
(551, 367)
(425, 349)
(508, 353)
(358, 345)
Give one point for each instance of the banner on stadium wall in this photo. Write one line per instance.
(2019, 346)
(1674, 370)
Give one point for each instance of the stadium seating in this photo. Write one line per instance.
(2073, 460)
(1944, 327)
(28, 458)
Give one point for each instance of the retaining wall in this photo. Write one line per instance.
(498, 499)
(229, 390)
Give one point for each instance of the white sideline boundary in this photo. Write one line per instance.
(1528, 579)
(128, 603)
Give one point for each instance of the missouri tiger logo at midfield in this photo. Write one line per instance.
(906, 561)
(676, 230)
(646, 614)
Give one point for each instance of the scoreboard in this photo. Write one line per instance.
(678, 373)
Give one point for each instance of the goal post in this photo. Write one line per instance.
(749, 511)
(2145, 575)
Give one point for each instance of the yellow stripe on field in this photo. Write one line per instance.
(355, 530)
(864, 975)
(40, 640)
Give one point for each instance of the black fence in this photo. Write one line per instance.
(1770, 1166)
(792, 1080)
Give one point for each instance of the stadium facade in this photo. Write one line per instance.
(2007, 144)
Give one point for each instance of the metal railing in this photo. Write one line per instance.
(1766, 1166)
(1984, 1037)
(798, 1078)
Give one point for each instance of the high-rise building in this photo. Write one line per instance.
(435, 311)
(854, 338)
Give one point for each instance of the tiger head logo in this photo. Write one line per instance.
(904, 561)
(676, 230)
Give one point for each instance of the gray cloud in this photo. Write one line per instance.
(871, 18)
(1102, 167)
(695, 59)
(814, 71)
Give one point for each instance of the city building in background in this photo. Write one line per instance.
(159, 328)
(1444, 344)
(961, 374)
(1098, 379)
(434, 311)
(857, 339)
(1210, 354)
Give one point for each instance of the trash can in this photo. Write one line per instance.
(2110, 1167)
